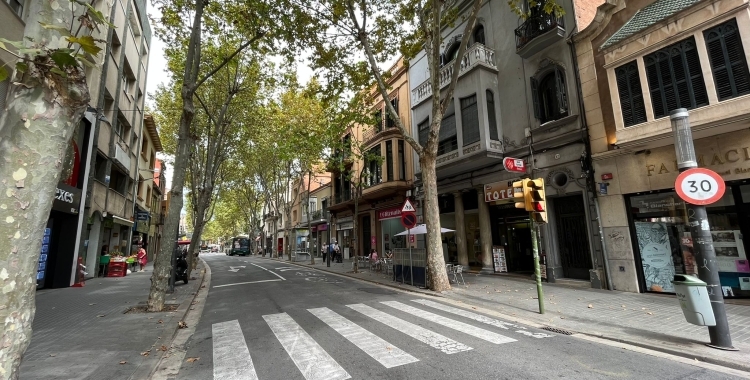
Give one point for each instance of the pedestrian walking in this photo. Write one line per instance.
(324, 251)
(337, 252)
(142, 258)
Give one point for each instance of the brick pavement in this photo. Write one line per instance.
(84, 333)
(649, 320)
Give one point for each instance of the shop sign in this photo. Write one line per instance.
(142, 227)
(345, 226)
(391, 213)
(67, 199)
(323, 227)
(498, 191)
(345, 219)
(142, 216)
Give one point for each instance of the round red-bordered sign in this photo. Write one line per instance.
(700, 186)
(408, 220)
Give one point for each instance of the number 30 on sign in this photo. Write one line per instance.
(699, 186)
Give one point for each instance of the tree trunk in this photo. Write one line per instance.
(163, 261)
(35, 132)
(435, 260)
(200, 223)
(309, 222)
(355, 263)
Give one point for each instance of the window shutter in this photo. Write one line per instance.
(728, 62)
(424, 130)
(491, 117)
(535, 96)
(631, 95)
(675, 78)
(562, 99)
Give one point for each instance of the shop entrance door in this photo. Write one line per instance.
(572, 237)
(366, 241)
(521, 255)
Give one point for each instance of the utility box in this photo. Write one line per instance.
(693, 296)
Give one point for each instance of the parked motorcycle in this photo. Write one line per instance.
(181, 267)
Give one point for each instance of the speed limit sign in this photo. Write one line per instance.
(699, 186)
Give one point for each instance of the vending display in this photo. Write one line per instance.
(43, 255)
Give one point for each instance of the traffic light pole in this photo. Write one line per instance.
(537, 269)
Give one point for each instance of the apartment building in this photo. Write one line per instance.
(309, 224)
(384, 181)
(638, 61)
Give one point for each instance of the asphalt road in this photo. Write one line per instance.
(267, 320)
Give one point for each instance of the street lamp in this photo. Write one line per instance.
(700, 233)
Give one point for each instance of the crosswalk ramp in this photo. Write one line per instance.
(232, 357)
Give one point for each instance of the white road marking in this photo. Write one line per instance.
(284, 269)
(479, 318)
(433, 339)
(274, 273)
(385, 353)
(231, 356)
(236, 269)
(450, 323)
(311, 359)
(245, 283)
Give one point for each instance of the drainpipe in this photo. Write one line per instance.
(584, 137)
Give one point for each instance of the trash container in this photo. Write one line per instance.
(693, 297)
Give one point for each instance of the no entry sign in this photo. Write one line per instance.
(699, 186)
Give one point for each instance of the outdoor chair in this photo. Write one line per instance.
(458, 271)
(103, 264)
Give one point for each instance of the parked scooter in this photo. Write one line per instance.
(181, 267)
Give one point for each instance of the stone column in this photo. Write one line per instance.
(485, 233)
(463, 254)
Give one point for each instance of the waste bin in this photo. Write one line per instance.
(693, 297)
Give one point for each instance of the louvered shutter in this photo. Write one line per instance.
(469, 120)
(728, 62)
(631, 95)
(675, 78)
(535, 96)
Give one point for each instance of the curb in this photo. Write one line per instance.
(670, 351)
(152, 365)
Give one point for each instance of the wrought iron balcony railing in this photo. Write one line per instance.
(535, 26)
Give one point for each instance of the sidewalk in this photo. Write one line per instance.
(646, 320)
(84, 333)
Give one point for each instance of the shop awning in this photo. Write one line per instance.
(122, 221)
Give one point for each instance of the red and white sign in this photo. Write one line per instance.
(390, 213)
(515, 165)
(699, 186)
(408, 207)
(408, 220)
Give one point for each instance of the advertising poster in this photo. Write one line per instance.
(730, 253)
(656, 256)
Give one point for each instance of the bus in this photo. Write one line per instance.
(240, 246)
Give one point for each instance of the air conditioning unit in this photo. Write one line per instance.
(122, 158)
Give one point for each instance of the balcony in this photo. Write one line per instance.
(342, 197)
(537, 33)
(122, 155)
(477, 55)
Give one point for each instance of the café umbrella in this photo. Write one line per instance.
(417, 230)
(420, 229)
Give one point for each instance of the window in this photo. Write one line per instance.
(451, 53)
(491, 118)
(374, 167)
(144, 149)
(448, 140)
(100, 168)
(118, 181)
(675, 79)
(378, 120)
(549, 96)
(470, 120)
(401, 161)
(631, 95)
(391, 122)
(389, 160)
(728, 61)
(479, 35)
(424, 130)
(16, 6)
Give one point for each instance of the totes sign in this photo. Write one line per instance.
(498, 191)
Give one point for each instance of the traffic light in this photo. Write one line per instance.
(519, 194)
(535, 200)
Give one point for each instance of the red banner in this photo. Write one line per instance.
(390, 213)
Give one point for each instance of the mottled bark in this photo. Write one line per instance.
(35, 131)
(435, 260)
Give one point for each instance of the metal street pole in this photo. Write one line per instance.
(328, 253)
(411, 260)
(700, 232)
(537, 270)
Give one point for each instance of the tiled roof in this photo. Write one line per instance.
(648, 16)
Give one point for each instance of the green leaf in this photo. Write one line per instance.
(16, 44)
(63, 59)
(84, 60)
(21, 67)
(59, 72)
(3, 74)
(63, 30)
(87, 44)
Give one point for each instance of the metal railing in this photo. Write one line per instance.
(535, 26)
(477, 54)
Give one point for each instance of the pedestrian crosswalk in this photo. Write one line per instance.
(232, 357)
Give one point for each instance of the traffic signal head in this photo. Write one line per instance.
(519, 194)
(536, 200)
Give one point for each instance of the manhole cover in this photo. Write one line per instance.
(377, 290)
(556, 330)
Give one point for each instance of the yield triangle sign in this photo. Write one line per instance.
(408, 207)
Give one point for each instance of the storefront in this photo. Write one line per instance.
(344, 235)
(390, 225)
(511, 228)
(664, 246)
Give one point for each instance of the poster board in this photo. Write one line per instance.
(730, 252)
(498, 259)
(656, 256)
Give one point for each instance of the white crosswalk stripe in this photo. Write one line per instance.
(385, 353)
(311, 359)
(433, 339)
(450, 323)
(231, 356)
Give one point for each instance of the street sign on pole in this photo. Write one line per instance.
(514, 165)
(699, 186)
(409, 220)
(408, 207)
